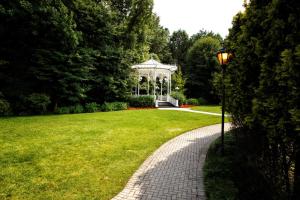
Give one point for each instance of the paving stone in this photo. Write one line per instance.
(174, 171)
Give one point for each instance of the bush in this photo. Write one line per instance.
(141, 101)
(114, 106)
(77, 109)
(192, 101)
(202, 101)
(92, 107)
(180, 97)
(70, 109)
(37, 103)
(63, 110)
(4, 107)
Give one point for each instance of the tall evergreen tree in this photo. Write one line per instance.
(179, 45)
(201, 64)
(263, 88)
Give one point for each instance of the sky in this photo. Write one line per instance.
(194, 15)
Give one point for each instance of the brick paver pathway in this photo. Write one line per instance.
(174, 171)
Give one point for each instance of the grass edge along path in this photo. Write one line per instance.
(233, 176)
(208, 108)
(83, 156)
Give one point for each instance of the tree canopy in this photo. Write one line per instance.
(75, 51)
(201, 64)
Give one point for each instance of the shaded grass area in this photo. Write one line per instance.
(209, 108)
(233, 176)
(83, 156)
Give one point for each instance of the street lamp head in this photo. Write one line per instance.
(224, 57)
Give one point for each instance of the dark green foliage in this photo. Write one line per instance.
(180, 97)
(159, 38)
(76, 109)
(202, 101)
(37, 103)
(92, 107)
(218, 171)
(203, 33)
(74, 51)
(178, 81)
(233, 176)
(114, 106)
(262, 87)
(4, 107)
(141, 101)
(192, 101)
(179, 45)
(70, 109)
(202, 63)
(63, 110)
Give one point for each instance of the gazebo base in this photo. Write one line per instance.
(167, 99)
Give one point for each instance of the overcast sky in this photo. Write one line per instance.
(193, 15)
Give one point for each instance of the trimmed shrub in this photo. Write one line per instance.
(92, 107)
(192, 101)
(77, 109)
(63, 110)
(37, 103)
(4, 107)
(120, 105)
(202, 101)
(180, 97)
(114, 106)
(141, 101)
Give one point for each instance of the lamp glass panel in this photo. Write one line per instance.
(220, 59)
(225, 59)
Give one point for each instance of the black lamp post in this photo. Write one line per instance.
(223, 58)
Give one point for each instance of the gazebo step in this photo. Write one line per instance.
(164, 104)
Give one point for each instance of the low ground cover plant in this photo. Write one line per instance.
(235, 175)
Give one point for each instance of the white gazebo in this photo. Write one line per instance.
(159, 76)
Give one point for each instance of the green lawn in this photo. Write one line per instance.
(212, 108)
(83, 156)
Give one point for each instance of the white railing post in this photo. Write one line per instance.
(156, 103)
(173, 101)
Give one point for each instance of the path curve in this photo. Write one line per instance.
(174, 171)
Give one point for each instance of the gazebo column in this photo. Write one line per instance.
(170, 81)
(154, 83)
(139, 84)
(161, 83)
(168, 91)
(148, 83)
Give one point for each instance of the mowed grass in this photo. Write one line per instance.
(211, 108)
(83, 156)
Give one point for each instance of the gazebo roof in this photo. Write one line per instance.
(153, 65)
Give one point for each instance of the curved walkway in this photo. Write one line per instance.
(174, 171)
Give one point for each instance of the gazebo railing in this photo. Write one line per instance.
(173, 101)
(162, 97)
